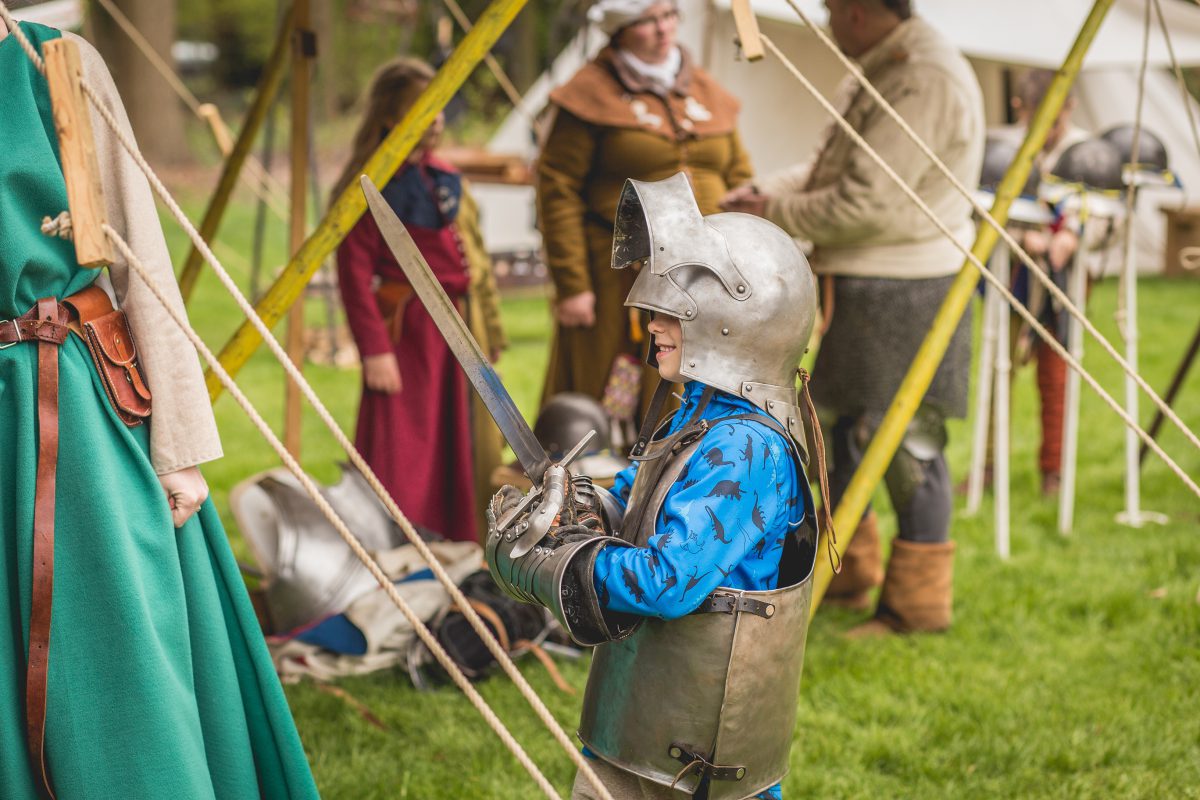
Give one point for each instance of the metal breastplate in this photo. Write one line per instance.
(717, 689)
(310, 572)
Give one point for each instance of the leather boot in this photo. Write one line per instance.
(917, 591)
(862, 569)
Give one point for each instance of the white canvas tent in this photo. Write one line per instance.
(781, 124)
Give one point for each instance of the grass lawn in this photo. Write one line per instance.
(1072, 670)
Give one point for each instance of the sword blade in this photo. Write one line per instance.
(453, 328)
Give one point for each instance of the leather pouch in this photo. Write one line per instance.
(110, 341)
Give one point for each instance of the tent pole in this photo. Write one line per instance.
(350, 206)
(1070, 437)
(983, 400)
(1002, 267)
(887, 439)
(303, 50)
(268, 87)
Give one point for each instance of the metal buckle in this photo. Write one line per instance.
(17, 328)
(694, 761)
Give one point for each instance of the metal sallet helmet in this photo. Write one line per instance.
(742, 290)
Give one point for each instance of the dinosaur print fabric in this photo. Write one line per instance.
(723, 523)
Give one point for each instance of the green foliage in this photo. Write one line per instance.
(1070, 671)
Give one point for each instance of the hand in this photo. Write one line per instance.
(186, 490)
(381, 373)
(577, 311)
(746, 199)
(1062, 246)
(1035, 242)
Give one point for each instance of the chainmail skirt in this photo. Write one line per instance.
(878, 326)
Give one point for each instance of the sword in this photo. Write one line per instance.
(549, 478)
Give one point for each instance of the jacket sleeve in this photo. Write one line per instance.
(183, 432)
(730, 504)
(357, 257)
(859, 203)
(562, 170)
(740, 170)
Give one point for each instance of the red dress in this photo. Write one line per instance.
(419, 440)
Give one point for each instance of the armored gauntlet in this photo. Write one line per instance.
(558, 571)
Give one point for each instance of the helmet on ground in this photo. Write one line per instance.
(1151, 152)
(742, 290)
(566, 419)
(1094, 163)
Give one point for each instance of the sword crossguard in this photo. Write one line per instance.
(552, 494)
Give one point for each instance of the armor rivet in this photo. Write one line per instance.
(741, 288)
(770, 404)
(724, 331)
(691, 363)
(770, 611)
(661, 249)
(687, 313)
(741, 773)
(749, 389)
(676, 752)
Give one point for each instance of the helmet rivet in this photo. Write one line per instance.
(691, 363)
(724, 331)
(770, 404)
(741, 288)
(749, 389)
(661, 249)
(687, 313)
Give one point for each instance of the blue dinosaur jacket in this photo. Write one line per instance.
(723, 523)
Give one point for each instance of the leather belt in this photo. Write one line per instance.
(45, 324)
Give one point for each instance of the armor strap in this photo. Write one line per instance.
(651, 425)
(723, 601)
(695, 761)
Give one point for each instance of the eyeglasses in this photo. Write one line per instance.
(664, 18)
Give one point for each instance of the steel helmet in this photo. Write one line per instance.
(1151, 154)
(742, 290)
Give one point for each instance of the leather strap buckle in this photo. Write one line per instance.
(722, 602)
(695, 761)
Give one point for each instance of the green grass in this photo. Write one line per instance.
(1071, 670)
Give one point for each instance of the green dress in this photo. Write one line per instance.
(160, 685)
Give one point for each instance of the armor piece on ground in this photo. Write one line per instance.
(1151, 154)
(309, 572)
(862, 568)
(729, 278)
(558, 572)
(516, 625)
(711, 695)
(566, 418)
(918, 591)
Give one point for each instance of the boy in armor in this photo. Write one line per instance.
(693, 576)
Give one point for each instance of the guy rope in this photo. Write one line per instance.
(887, 439)
(228, 382)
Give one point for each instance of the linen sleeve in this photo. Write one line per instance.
(562, 170)
(183, 431)
(356, 259)
(861, 201)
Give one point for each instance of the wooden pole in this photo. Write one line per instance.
(1169, 398)
(891, 431)
(268, 87)
(747, 30)
(81, 170)
(351, 205)
(303, 50)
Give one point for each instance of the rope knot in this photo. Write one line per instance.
(59, 226)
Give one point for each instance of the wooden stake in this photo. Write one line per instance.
(73, 124)
(747, 29)
(302, 41)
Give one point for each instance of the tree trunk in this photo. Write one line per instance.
(155, 111)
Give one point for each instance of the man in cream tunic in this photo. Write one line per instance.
(885, 269)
